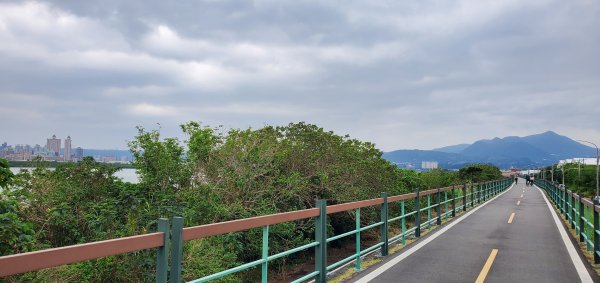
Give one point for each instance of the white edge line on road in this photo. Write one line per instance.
(579, 266)
(373, 274)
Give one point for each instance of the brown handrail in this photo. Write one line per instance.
(31, 261)
(214, 229)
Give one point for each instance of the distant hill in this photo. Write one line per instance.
(522, 152)
(453, 148)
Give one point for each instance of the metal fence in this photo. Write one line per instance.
(581, 214)
(168, 240)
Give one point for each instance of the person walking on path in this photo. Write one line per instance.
(516, 180)
(527, 180)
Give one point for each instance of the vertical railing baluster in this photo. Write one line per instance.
(573, 211)
(428, 211)
(464, 196)
(596, 236)
(384, 225)
(581, 215)
(453, 202)
(446, 205)
(417, 216)
(357, 265)
(439, 207)
(265, 254)
(176, 249)
(162, 254)
(402, 223)
(321, 238)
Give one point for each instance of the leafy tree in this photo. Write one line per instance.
(5, 174)
(479, 173)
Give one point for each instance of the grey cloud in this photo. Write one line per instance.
(409, 74)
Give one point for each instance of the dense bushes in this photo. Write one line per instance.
(210, 176)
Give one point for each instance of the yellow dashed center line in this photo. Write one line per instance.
(486, 268)
(512, 216)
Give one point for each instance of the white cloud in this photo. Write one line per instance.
(146, 109)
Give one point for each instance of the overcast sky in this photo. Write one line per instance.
(401, 74)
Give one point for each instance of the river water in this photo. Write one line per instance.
(126, 174)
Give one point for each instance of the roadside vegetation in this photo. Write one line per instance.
(211, 176)
(578, 178)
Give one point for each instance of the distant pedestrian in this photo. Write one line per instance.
(516, 180)
(527, 180)
(532, 179)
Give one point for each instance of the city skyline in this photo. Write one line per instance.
(53, 151)
(410, 74)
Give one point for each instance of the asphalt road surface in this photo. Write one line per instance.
(528, 249)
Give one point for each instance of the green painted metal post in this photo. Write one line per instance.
(162, 255)
(176, 249)
(384, 225)
(357, 225)
(581, 217)
(439, 207)
(403, 223)
(453, 202)
(428, 211)
(573, 211)
(446, 205)
(321, 238)
(565, 204)
(596, 237)
(265, 254)
(418, 216)
(464, 190)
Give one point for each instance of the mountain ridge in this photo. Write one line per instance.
(511, 151)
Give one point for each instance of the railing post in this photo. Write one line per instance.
(357, 225)
(453, 202)
(417, 216)
(321, 238)
(596, 237)
(573, 211)
(446, 205)
(265, 254)
(162, 255)
(464, 190)
(428, 211)
(384, 225)
(564, 202)
(176, 249)
(403, 223)
(439, 207)
(581, 216)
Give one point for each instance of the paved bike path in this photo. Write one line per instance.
(530, 249)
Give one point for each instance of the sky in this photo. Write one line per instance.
(401, 74)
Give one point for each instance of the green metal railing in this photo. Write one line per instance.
(454, 198)
(168, 240)
(580, 213)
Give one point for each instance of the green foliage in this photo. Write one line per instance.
(479, 173)
(5, 174)
(208, 177)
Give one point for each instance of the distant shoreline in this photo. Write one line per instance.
(54, 164)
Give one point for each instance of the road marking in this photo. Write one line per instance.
(521, 195)
(512, 216)
(518, 202)
(418, 246)
(581, 270)
(486, 268)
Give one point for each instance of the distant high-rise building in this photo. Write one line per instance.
(79, 153)
(53, 145)
(67, 153)
(429, 164)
